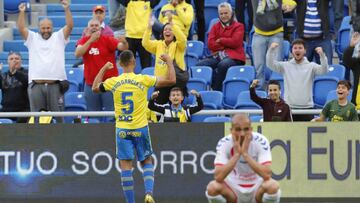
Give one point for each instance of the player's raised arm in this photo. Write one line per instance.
(21, 21)
(99, 77)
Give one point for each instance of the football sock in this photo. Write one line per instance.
(148, 175)
(128, 185)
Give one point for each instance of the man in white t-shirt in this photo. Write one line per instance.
(243, 167)
(46, 61)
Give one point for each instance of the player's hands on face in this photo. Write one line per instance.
(246, 143)
(22, 7)
(237, 147)
(155, 94)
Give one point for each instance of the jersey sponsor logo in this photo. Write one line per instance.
(94, 51)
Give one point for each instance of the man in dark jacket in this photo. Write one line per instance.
(352, 61)
(13, 84)
(313, 26)
(274, 108)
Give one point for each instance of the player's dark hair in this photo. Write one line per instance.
(345, 83)
(126, 57)
(274, 82)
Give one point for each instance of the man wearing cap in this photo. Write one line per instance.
(13, 84)
(46, 61)
(99, 14)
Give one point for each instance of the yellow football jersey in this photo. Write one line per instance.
(130, 98)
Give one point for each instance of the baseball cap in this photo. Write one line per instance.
(99, 7)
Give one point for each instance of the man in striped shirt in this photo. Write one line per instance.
(313, 27)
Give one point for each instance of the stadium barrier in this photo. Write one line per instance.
(66, 162)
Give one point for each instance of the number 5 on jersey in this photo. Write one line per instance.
(128, 106)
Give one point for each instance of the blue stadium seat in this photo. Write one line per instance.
(244, 72)
(210, 12)
(238, 79)
(138, 67)
(322, 86)
(15, 45)
(204, 72)
(79, 21)
(74, 101)
(148, 71)
(12, 6)
(244, 101)
(256, 118)
(332, 95)
(343, 39)
(120, 70)
(212, 99)
(197, 84)
(195, 47)
(286, 50)
(217, 119)
(191, 59)
(335, 70)
(76, 79)
(206, 48)
(5, 121)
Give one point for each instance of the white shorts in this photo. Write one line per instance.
(244, 194)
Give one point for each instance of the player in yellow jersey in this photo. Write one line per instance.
(132, 132)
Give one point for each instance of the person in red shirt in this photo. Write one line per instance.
(226, 45)
(96, 50)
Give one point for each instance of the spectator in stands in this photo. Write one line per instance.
(13, 85)
(268, 26)
(225, 42)
(299, 76)
(117, 21)
(99, 13)
(174, 111)
(240, 7)
(46, 61)
(137, 14)
(351, 60)
(173, 43)
(354, 12)
(339, 109)
(199, 7)
(313, 26)
(182, 14)
(97, 49)
(274, 108)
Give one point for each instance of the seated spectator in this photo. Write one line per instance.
(339, 109)
(274, 108)
(299, 76)
(97, 49)
(13, 85)
(226, 45)
(174, 111)
(173, 43)
(182, 14)
(351, 60)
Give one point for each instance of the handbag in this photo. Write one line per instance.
(182, 76)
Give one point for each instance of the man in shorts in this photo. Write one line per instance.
(132, 132)
(243, 167)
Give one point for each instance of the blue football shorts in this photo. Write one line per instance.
(128, 140)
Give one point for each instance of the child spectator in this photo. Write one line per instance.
(174, 111)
